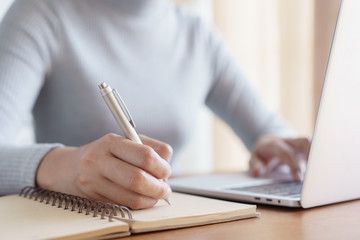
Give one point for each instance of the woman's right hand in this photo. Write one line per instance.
(110, 169)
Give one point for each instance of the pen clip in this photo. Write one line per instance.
(123, 107)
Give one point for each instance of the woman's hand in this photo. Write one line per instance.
(110, 169)
(269, 152)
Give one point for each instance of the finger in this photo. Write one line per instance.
(139, 155)
(96, 186)
(301, 145)
(134, 179)
(108, 191)
(257, 167)
(164, 150)
(287, 156)
(273, 164)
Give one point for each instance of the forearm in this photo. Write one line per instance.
(233, 98)
(27, 44)
(18, 165)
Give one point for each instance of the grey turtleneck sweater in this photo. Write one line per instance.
(165, 63)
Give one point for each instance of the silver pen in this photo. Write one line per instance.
(120, 113)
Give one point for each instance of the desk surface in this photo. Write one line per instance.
(339, 221)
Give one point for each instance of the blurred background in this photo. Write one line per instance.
(282, 46)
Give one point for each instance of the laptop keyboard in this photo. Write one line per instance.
(279, 189)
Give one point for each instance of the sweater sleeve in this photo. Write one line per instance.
(234, 99)
(27, 43)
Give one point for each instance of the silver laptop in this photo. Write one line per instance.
(333, 169)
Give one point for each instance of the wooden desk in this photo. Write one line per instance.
(339, 221)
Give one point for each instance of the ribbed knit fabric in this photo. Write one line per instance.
(165, 63)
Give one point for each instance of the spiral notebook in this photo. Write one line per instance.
(41, 214)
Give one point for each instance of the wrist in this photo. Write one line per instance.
(54, 167)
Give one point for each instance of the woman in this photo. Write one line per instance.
(165, 62)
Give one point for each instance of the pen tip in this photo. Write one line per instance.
(168, 202)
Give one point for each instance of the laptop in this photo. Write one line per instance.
(333, 168)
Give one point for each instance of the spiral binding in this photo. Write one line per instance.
(74, 203)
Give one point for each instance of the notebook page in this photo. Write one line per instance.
(23, 218)
(188, 210)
